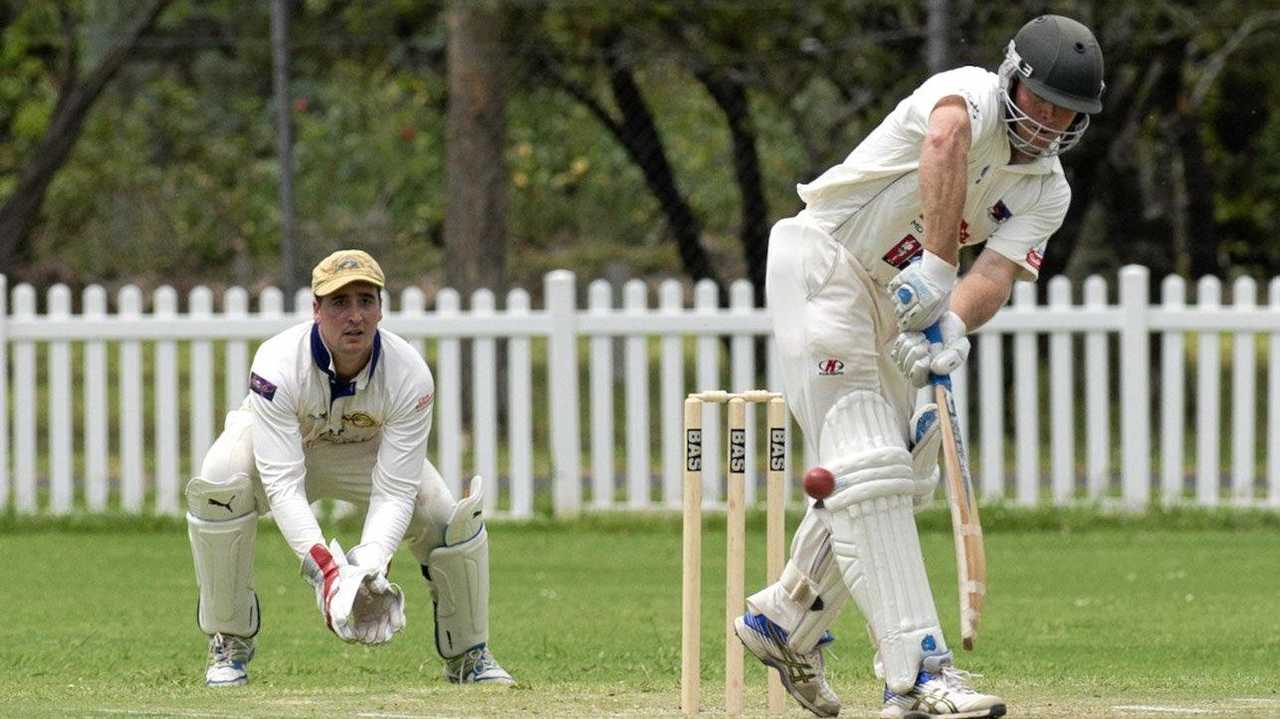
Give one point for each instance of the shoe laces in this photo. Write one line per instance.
(958, 679)
(228, 648)
(476, 661)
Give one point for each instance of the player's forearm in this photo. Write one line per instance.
(292, 514)
(943, 181)
(385, 524)
(978, 297)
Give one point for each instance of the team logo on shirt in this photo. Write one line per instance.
(901, 254)
(830, 366)
(261, 386)
(423, 402)
(359, 419)
(1000, 212)
(1034, 258)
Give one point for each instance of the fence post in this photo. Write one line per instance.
(561, 303)
(58, 371)
(24, 406)
(1173, 295)
(132, 464)
(1026, 403)
(519, 410)
(167, 483)
(1244, 296)
(449, 397)
(1135, 386)
(1273, 397)
(4, 392)
(484, 400)
(96, 409)
(601, 382)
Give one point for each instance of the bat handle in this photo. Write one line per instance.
(933, 333)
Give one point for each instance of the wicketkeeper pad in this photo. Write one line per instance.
(873, 532)
(222, 524)
(458, 576)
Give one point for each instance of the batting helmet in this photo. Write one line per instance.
(1060, 60)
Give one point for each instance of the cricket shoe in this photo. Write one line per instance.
(801, 674)
(229, 657)
(941, 692)
(476, 666)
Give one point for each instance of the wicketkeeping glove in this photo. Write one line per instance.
(378, 611)
(337, 585)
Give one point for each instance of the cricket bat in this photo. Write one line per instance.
(971, 555)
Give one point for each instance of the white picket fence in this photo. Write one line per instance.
(95, 438)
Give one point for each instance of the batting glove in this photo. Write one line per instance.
(920, 292)
(917, 358)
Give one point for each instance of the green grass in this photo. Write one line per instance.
(1087, 612)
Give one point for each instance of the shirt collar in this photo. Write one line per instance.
(1038, 166)
(324, 362)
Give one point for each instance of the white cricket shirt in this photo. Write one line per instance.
(871, 201)
(298, 404)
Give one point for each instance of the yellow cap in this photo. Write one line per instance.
(342, 268)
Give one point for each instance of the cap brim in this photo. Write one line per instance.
(1087, 105)
(336, 283)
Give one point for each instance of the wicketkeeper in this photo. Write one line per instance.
(853, 279)
(339, 408)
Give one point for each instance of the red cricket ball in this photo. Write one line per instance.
(819, 483)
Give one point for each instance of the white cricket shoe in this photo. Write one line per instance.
(476, 666)
(941, 692)
(229, 657)
(801, 674)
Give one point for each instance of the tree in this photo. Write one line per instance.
(77, 92)
(633, 127)
(475, 220)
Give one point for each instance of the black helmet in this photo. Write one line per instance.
(1061, 61)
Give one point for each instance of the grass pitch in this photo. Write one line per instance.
(1168, 615)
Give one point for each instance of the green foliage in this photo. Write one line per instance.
(176, 174)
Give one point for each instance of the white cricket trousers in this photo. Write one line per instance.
(833, 326)
(334, 471)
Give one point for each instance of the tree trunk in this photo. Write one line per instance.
(475, 220)
(1202, 233)
(731, 96)
(937, 48)
(475, 225)
(638, 133)
(22, 210)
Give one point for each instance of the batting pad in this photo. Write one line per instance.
(458, 577)
(223, 554)
(873, 533)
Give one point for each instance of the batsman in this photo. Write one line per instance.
(852, 281)
(338, 407)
